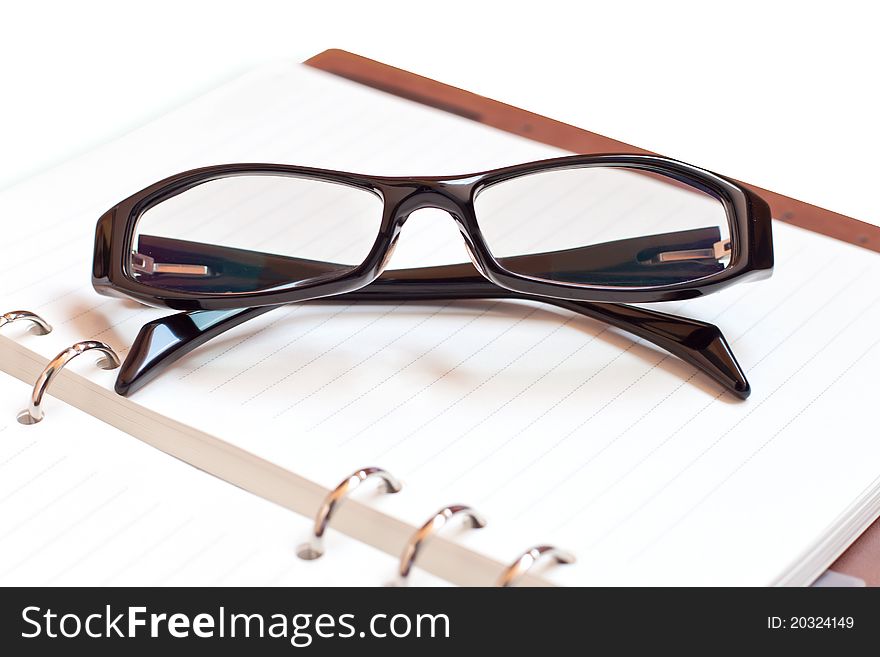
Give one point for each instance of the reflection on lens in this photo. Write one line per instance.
(604, 226)
(250, 233)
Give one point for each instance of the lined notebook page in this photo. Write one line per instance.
(557, 428)
(84, 504)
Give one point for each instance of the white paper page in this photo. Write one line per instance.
(84, 504)
(557, 428)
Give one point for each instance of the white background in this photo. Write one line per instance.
(781, 94)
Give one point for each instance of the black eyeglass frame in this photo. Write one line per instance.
(751, 252)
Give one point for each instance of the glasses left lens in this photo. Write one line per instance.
(254, 233)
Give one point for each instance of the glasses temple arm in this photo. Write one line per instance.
(163, 341)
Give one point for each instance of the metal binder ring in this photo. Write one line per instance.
(34, 412)
(42, 326)
(426, 531)
(314, 548)
(529, 558)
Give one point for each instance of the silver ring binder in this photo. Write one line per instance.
(314, 548)
(42, 326)
(426, 531)
(529, 558)
(34, 412)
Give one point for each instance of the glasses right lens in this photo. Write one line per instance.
(604, 226)
(253, 233)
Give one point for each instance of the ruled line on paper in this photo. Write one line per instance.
(33, 478)
(446, 373)
(483, 382)
(323, 353)
(237, 565)
(277, 351)
(510, 400)
(486, 310)
(105, 541)
(58, 536)
(752, 456)
(165, 537)
(35, 513)
(18, 452)
(201, 551)
(653, 497)
(290, 311)
(367, 358)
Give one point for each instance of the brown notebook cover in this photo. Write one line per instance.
(862, 559)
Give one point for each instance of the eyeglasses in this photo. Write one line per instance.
(587, 232)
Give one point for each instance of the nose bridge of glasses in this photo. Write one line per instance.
(427, 238)
(428, 194)
(448, 198)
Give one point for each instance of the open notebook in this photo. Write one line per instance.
(556, 428)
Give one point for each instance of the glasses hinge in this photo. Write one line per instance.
(144, 264)
(719, 250)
